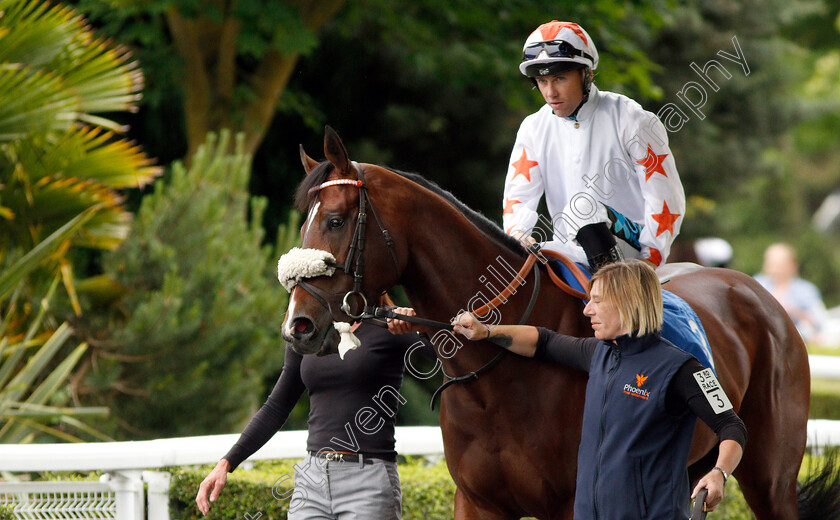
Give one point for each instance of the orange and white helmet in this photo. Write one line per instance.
(555, 47)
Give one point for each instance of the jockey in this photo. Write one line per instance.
(601, 160)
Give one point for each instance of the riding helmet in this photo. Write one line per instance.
(556, 47)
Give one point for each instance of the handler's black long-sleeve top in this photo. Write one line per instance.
(353, 402)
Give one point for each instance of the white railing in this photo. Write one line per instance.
(78, 500)
(824, 367)
(184, 451)
(119, 494)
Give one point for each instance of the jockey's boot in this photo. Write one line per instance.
(599, 245)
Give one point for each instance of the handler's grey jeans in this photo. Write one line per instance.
(342, 490)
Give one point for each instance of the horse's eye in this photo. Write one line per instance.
(335, 222)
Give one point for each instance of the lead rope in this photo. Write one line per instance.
(472, 376)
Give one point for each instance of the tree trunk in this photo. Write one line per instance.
(208, 49)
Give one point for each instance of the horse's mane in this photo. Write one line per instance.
(320, 173)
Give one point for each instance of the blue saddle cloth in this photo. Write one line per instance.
(681, 325)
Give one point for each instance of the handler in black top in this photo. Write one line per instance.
(351, 469)
(642, 400)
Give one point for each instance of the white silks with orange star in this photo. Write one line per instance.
(618, 155)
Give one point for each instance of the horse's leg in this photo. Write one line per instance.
(776, 419)
(767, 475)
(466, 510)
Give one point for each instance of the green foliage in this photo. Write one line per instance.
(733, 506)
(427, 489)
(33, 367)
(825, 400)
(6, 512)
(244, 493)
(186, 349)
(57, 157)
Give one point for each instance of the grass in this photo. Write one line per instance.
(823, 351)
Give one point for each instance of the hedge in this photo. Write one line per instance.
(825, 399)
(6, 512)
(428, 493)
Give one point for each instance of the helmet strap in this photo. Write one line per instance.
(587, 81)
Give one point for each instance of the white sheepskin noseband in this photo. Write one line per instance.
(303, 263)
(298, 264)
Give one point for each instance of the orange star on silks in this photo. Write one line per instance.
(509, 206)
(666, 219)
(550, 30)
(523, 166)
(653, 163)
(655, 256)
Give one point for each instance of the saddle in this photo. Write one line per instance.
(668, 272)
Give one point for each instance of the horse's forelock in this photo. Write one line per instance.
(315, 177)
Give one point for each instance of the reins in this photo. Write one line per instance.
(373, 312)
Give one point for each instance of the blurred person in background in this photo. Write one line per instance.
(800, 298)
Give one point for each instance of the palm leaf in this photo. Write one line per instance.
(33, 102)
(16, 351)
(34, 33)
(54, 412)
(15, 430)
(21, 381)
(69, 419)
(53, 200)
(38, 427)
(87, 153)
(15, 274)
(105, 78)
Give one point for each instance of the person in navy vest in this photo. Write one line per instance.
(642, 400)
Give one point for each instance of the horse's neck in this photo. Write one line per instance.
(454, 268)
(451, 266)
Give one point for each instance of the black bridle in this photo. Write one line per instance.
(354, 264)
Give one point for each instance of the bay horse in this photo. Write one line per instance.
(511, 435)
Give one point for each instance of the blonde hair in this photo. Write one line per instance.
(633, 287)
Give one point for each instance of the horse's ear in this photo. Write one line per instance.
(335, 151)
(308, 162)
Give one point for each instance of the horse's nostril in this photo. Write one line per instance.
(303, 326)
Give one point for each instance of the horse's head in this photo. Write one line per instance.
(345, 263)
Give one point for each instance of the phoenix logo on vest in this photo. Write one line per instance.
(637, 391)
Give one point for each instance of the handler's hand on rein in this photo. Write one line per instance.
(468, 326)
(713, 481)
(213, 484)
(397, 326)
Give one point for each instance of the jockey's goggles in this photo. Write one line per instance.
(554, 49)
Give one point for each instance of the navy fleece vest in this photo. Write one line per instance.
(633, 454)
